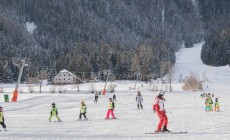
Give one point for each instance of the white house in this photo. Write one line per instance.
(66, 77)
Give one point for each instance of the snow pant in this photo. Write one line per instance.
(96, 99)
(217, 108)
(207, 108)
(84, 114)
(163, 120)
(108, 113)
(3, 125)
(210, 107)
(139, 104)
(54, 116)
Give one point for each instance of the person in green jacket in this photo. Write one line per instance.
(110, 109)
(54, 112)
(83, 110)
(2, 120)
(207, 106)
(210, 101)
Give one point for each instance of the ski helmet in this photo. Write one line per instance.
(161, 93)
(82, 102)
(53, 104)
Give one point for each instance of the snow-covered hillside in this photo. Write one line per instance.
(28, 118)
(188, 60)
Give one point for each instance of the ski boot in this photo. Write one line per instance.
(165, 129)
(59, 120)
(158, 131)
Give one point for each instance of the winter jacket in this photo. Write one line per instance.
(1, 117)
(96, 93)
(139, 99)
(111, 105)
(207, 103)
(158, 104)
(83, 109)
(210, 100)
(54, 111)
(217, 104)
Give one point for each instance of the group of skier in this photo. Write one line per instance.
(158, 108)
(209, 102)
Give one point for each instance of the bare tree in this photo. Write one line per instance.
(41, 76)
(135, 67)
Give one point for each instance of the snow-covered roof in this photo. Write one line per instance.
(66, 71)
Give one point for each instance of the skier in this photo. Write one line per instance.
(83, 110)
(111, 109)
(54, 112)
(207, 106)
(217, 107)
(2, 120)
(210, 101)
(158, 107)
(114, 98)
(96, 96)
(139, 100)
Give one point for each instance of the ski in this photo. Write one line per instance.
(57, 121)
(182, 132)
(83, 120)
(111, 119)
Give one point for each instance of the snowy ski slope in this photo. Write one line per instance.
(28, 118)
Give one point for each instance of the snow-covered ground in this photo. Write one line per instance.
(28, 118)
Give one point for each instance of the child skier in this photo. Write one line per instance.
(96, 96)
(158, 107)
(217, 107)
(139, 100)
(2, 120)
(207, 106)
(110, 109)
(83, 110)
(114, 98)
(54, 112)
(210, 101)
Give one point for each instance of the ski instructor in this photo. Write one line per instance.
(158, 107)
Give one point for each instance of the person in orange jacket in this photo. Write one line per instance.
(158, 107)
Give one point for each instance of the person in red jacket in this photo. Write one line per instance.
(158, 107)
